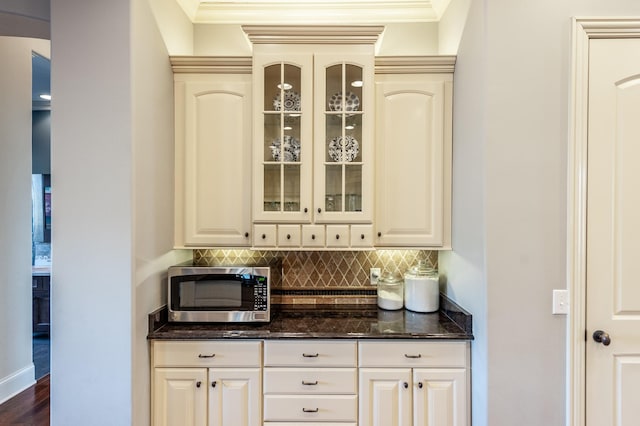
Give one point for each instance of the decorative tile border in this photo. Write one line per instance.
(319, 269)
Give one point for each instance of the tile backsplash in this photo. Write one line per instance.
(320, 276)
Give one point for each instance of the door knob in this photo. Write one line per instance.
(602, 337)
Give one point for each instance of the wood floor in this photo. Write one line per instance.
(30, 407)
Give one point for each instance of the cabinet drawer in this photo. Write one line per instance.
(412, 354)
(206, 354)
(361, 235)
(310, 380)
(312, 235)
(302, 408)
(337, 235)
(320, 353)
(288, 235)
(264, 235)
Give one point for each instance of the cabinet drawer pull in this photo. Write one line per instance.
(310, 355)
(337, 236)
(413, 356)
(264, 236)
(309, 383)
(198, 383)
(362, 236)
(313, 236)
(288, 236)
(310, 410)
(213, 384)
(206, 356)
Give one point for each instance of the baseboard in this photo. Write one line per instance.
(15, 383)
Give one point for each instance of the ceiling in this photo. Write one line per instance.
(312, 11)
(41, 80)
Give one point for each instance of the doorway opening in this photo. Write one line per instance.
(41, 212)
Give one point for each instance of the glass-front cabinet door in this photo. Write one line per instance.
(283, 139)
(343, 186)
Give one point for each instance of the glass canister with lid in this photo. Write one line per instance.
(390, 291)
(421, 288)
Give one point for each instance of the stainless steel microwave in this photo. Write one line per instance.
(219, 294)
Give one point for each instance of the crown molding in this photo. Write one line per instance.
(313, 34)
(211, 64)
(414, 64)
(313, 11)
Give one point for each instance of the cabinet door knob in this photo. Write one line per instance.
(420, 385)
(246, 235)
(264, 236)
(313, 236)
(213, 384)
(288, 236)
(319, 210)
(362, 236)
(405, 385)
(198, 383)
(379, 234)
(306, 210)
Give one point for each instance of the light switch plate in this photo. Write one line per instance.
(560, 302)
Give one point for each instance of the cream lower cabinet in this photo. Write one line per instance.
(310, 381)
(413, 152)
(207, 383)
(413, 384)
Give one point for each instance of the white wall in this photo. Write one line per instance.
(175, 28)
(112, 166)
(451, 26)
(91, 168)
(25, 18)
(153, 162)
(16, 366)
(464, 268)
(511, 98)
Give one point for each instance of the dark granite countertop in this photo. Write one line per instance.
(326, 322)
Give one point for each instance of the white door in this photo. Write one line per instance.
(440, 397)
(213, 161)
(234, 397)
(613, 234)
(180, 397)
(385, 397)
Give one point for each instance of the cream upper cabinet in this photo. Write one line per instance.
(313, 144)
(413, 152)
(283, 138)
(344, 101)
(212, 152)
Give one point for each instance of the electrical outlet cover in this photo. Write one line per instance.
(374, 274)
